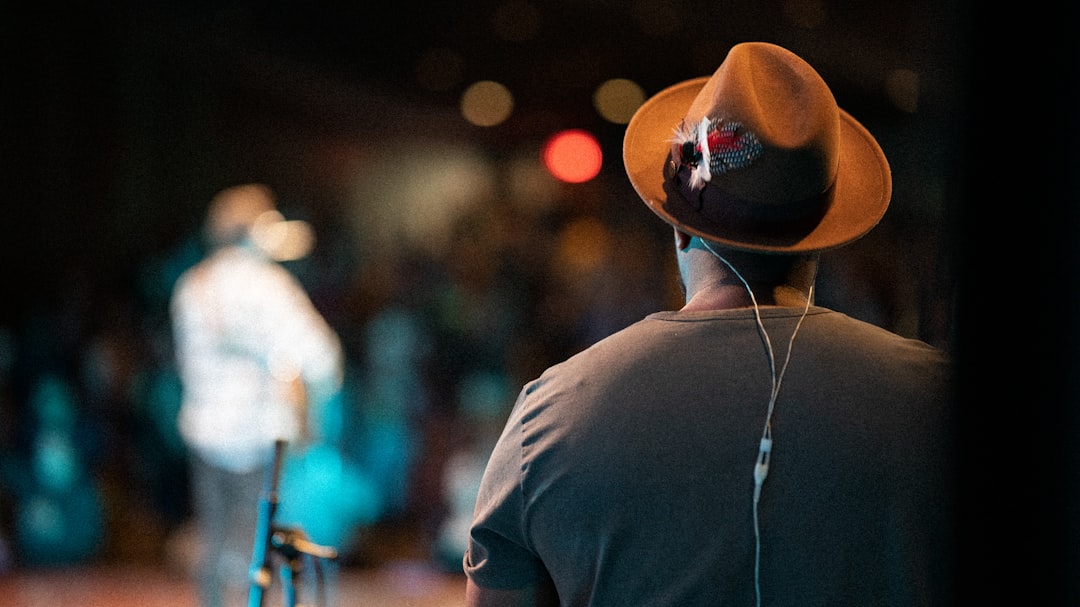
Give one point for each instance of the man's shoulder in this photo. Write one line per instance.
(639, 339)
(871, 334)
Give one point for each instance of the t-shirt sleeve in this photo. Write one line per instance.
(498, 554)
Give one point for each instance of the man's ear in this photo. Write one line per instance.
(682, 239)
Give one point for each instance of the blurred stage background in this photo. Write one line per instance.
(452, 263)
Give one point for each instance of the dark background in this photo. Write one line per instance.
(120, 120)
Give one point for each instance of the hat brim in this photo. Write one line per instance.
(860, 196)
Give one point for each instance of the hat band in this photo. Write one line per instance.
(739, 215)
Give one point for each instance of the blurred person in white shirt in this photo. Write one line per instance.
(255, 359)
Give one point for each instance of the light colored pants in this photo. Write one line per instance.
(227, 511)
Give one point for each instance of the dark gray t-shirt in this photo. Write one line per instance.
(626, 472)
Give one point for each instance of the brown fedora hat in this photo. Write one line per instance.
(784, 170)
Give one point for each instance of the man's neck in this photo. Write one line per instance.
(726, 296)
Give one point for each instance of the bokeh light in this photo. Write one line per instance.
(573, 156)
(486, 103)
(617, 99)
(281, 239)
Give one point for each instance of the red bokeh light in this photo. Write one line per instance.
(573, 156)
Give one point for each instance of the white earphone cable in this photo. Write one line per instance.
(761, 466)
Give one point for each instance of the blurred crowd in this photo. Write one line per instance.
(437, 344)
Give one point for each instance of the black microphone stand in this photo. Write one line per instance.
(290, 544)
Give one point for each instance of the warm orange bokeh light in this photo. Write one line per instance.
(573, 156)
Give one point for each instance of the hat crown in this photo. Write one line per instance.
(758, 156)
(783, 102)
